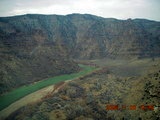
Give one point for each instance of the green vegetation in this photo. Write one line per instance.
(18, 93)
(86, 98)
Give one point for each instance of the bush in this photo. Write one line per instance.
(45, 107)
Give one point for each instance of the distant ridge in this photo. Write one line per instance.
(109, 37)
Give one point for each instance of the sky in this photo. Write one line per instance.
(120, 9)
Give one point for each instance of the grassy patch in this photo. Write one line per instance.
(18, 93)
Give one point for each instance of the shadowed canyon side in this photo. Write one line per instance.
(27, 55)
(34, 47)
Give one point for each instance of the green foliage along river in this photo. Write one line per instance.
(10, 97)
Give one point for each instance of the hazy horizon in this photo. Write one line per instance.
(80, 14)
(119, 9)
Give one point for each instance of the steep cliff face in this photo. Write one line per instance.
(33, 47)
(99, 37)
(85, 36)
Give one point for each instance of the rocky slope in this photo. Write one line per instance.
(26, 56)
(33, 47)
(85, 36)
